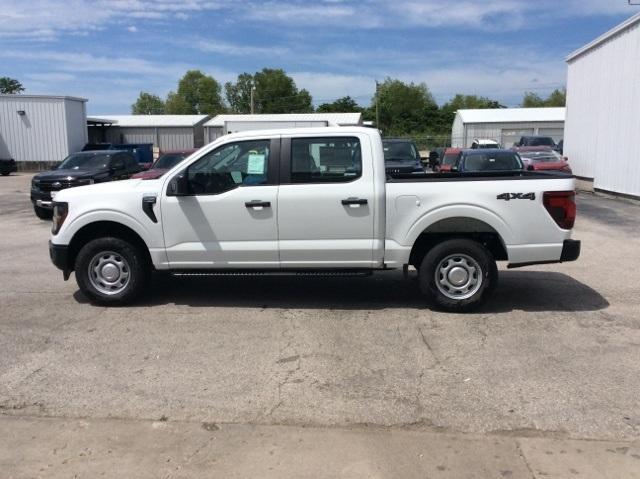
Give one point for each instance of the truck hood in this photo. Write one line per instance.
(104, 191)
(70, 174)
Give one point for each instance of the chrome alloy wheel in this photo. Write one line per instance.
(109, 272)
(458, 276)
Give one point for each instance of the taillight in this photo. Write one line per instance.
(561, 205)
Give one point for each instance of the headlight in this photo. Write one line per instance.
(60, 211)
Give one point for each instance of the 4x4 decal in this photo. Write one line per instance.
(516, 196)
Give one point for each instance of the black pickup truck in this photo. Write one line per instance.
(7, 167)
(78, 169)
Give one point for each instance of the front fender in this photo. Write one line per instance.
(69, 230)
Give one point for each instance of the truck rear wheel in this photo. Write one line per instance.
(111, 271)
(458, 275)
(43, 213)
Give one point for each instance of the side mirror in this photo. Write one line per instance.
(178, 185)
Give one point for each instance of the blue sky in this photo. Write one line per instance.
(110, 50)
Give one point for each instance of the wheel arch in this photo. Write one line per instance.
(459, 227)
(102, 229)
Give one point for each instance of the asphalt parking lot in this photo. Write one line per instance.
(554, 355)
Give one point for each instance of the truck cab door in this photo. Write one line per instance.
(326, 204)
(220, 211)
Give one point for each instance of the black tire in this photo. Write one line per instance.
(43, 213)
(137, 268)
(471, 294)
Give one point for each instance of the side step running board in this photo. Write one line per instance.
(341, 273)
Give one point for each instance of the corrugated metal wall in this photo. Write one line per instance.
(211, 133)
(504, 133)
(166, 138)
(76, 119)
(603, 114)
(44, 132)
(457, 132)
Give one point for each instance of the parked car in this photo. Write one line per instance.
(8, 166)
(560, 147)
(487, 161)
(167, 160)
(479, 144)
(536, 140)
(78, 169)
(449, 158)
(142, 151)
(312, 201)
(542, 158)
(401, 156)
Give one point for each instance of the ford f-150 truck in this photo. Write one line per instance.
(311, 201)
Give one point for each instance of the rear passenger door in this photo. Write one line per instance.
(326, 203)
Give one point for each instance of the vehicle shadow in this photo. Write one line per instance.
(516, 290)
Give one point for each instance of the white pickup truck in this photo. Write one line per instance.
(311, 201)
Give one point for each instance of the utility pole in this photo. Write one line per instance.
(377, 108)
(253, 89)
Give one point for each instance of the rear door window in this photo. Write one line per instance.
(325, 160)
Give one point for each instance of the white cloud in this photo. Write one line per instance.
(132, 29)
(235, 49)
(43, 19)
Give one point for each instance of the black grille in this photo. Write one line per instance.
(55, 185)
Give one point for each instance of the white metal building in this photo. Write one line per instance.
(603, 110)
(39, 130)
(223, 124)
(506, 125)
(167, 132)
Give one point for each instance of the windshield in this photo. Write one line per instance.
(449, 158)
(166, 162)
(84, 162)
(541, 156)
(495, 161)
(399, 151)
(540, 141)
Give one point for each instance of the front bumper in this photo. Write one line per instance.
(41, 198)
(59, 255)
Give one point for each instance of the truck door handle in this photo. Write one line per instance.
(354, 201)
(255, 203)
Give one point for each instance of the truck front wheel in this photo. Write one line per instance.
(111, 271)
(458, 275)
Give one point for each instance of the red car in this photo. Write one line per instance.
(168, 159)
(449, 158)
(542, 158)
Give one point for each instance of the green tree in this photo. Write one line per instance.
(558, 97)
(532, 100)
(177, 105)
(239, 93)
(462, 102)
(10, 86)
(276, 92)
(197, 94)
(148, 104)
(341, 105)
(405, 108)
